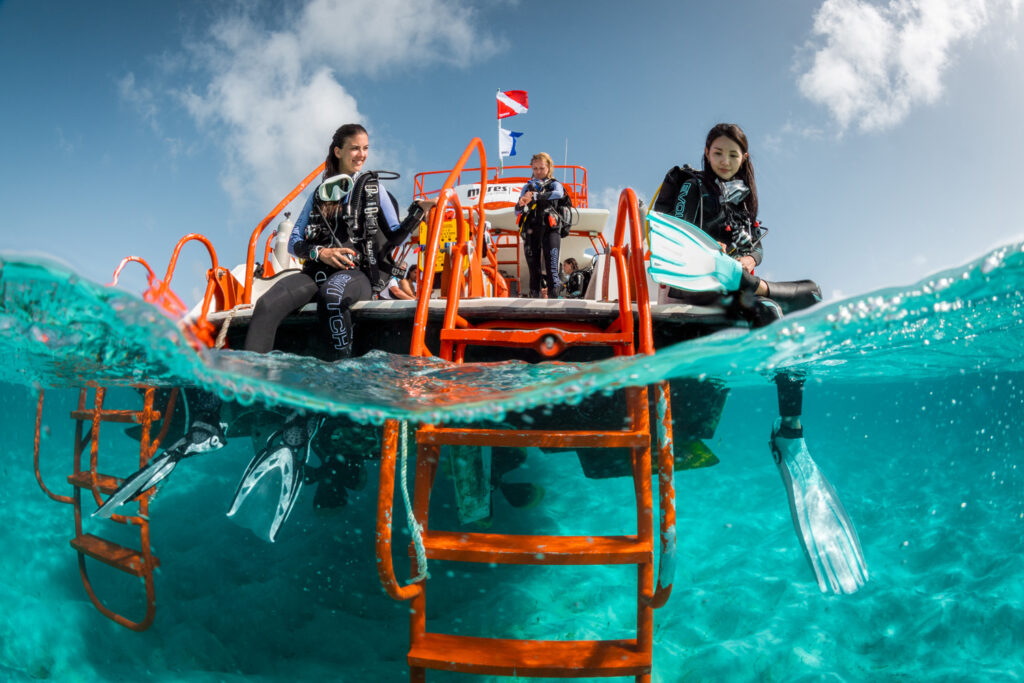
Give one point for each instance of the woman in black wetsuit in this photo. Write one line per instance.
(721, 199)
(329, 235)
(345, 233)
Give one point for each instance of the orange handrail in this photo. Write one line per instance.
(446, 196)
(250, 257)
(666, 497)
(168, 301)
(385, 498)
(628, 209)
(35, 456)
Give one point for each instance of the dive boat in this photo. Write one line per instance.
(466, 311)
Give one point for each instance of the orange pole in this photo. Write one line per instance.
(445, 196)
(667, 497)
(35, 456)
(250, 257)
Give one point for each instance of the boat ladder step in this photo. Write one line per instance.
(132, 416)
(117, 556)
(507, 657)
(566, 439)
(537, 550)
(104, 483)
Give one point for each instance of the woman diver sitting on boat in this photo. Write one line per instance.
(540, 224)
(345, 233)
(721, 200)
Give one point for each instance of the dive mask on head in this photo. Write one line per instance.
(733, 191)
(335, 188)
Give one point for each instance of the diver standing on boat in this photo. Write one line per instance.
(540, 224)
(721, 200)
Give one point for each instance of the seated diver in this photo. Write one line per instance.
(540, 224)
(721, 200)
(346, 233)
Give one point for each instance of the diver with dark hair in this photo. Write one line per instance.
(346, 233)
(707, 221)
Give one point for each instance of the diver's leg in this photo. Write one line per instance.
(284, 297)
(518, 494)
(205, 433)
(793, 296)
(790, 387)
(552, 247)
(337, 294)
(531, 248)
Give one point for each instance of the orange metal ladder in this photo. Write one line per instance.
(140, 562)
(499, 656)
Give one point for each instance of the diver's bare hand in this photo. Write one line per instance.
(747, 262)
(337, 257)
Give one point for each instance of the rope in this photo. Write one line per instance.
(414, 526)
(223, 334)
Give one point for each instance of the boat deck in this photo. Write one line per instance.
(386, 325)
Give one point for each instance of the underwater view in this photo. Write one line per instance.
(914, 400)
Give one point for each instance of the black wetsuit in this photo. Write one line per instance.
(540, 238)
(686, 193)
(321, 224)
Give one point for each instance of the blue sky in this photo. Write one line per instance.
(885, 135)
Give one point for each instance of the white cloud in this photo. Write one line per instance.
(271, 97)
(141, 98)
(878, 62)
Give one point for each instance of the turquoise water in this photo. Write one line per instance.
(913, 409)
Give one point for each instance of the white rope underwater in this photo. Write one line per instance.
(414, 526)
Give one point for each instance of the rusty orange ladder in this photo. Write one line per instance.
(553, 658)
(137, 562)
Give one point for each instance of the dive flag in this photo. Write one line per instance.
(511, 102)
(507, 142)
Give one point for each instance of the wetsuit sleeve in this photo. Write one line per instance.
(554, 191)
(757, 253)
(297, 244)
(523, 191)
(679, 195)
(387, 207)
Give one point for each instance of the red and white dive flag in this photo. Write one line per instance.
(511, 102)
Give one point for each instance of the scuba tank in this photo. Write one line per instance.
(282, 259)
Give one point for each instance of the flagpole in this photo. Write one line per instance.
(501, 159)
(565, 161)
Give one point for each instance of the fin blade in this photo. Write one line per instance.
(155, 471)
(826, 533)
(684, 256)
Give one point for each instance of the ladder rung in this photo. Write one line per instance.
(104, 482)
(113, 415)
(108, 552)
(506, 657)
(544, 550)
(530, 337)
(568, 439)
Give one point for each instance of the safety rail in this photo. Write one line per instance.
(250, 256)
(577, 185)
(220, 285)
